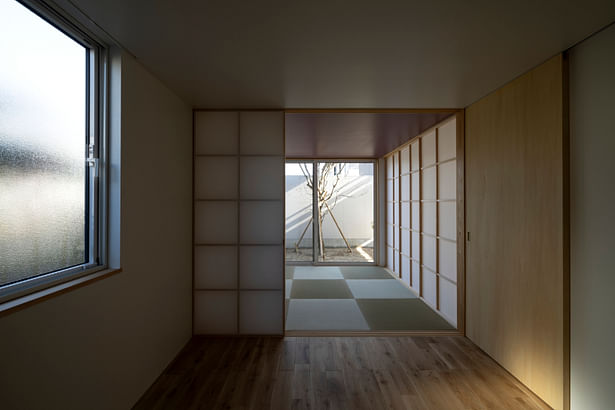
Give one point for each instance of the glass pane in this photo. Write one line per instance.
(42, 146)
(299, 212)
(346, 208)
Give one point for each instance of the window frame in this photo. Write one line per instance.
(95, 158)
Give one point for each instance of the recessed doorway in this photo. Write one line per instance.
(331, 221)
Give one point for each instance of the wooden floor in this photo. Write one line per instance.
(443, 372)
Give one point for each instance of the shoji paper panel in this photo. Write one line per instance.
(261, 312)
(447, 222)
(429, 218)
(215, 312)
(260, 222)
(427, 210)
(447, 256)
(429, 252)
(405, 242)
(260, 268)
(215, 222)
(216, 133)
(405, 215)
(239, 215)
(260, 178)
(215, 178)
(428, 147)
(261, 133)
(448, 299)
(215, 267)
(404, 160)
(447, 141)
(416, 277)
(430, 288)
(405, 270)
(447, 180)
(405, 188)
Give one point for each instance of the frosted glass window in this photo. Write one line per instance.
(429, 183)
(216, 132)
(428, 149)
(262, 133)
(414, 156)
(262, 177)
(390, 189)
(390, 213)
(429, 218)
(405, 188)
(389, 167)
(215, 178)
(215, 222)
(429, 252)
(430, 288)
(215, 312)
(447, 141)
(448, 220)
(405, 270)
(261, 267)
(261, 312)
(215, 267)
(390, 258)
(405, 160)
(396, 213)
(261, 222)
(447, 180)
(43, 173)
(448, 259)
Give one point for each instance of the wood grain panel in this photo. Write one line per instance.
(514, 193)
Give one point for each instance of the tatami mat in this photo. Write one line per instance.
(401, 314)
(379, 289)
(325, 314)
(354, 298)
(320, 289)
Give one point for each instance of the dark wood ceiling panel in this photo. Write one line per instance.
(352, 134)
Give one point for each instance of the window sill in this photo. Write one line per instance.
(44, 294)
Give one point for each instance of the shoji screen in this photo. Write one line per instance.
(238, 222)
(422, 216)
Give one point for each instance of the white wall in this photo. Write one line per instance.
(354, 213)
(101, 346)
(592, 221)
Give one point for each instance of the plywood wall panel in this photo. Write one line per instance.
(514, 204)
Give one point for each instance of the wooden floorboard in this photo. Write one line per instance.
(402, 372)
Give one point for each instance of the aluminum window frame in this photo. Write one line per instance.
(375, 230)
(95, 156)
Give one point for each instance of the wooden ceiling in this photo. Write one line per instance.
(354, 134)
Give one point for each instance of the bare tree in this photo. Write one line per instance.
(329, 176)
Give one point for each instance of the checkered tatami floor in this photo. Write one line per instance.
(354, 298)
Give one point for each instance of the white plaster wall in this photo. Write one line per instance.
(103, 345)
(354, 213)
(592, 221)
